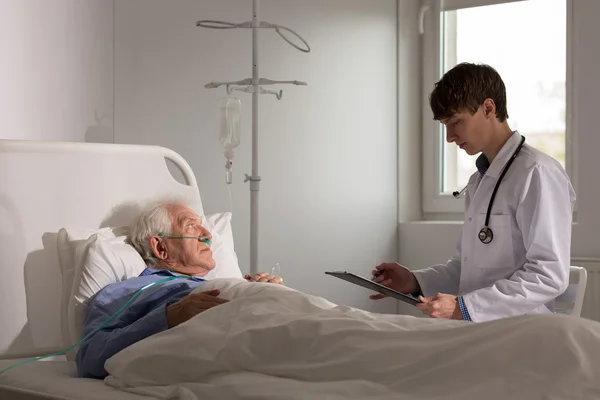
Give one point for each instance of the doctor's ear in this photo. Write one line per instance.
(489, 108)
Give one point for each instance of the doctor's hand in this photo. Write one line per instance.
(395, 276)
(441, 305)
(264, 277)
(192, 305)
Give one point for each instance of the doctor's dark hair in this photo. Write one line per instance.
(464, 89)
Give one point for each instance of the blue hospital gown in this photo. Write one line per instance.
(144, 317)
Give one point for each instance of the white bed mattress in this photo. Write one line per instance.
(54, 380)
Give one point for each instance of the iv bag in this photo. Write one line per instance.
(230, 110)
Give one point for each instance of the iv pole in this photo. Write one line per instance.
(254, 85)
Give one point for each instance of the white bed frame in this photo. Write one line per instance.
(45, 186)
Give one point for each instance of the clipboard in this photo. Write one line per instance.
(359, 280)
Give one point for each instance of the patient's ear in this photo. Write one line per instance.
(158, 247)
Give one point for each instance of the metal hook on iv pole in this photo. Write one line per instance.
(252, 89)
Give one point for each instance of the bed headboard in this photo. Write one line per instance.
(45, 186)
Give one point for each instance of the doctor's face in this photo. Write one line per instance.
(469, 132)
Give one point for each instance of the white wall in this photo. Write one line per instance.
(409, 108)
(422, 244)
(56, 70)
(328, 151)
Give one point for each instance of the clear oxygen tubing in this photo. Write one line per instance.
(119, 311)
(172, 235)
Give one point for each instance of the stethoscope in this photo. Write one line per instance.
(485, 234)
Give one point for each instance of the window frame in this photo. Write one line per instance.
(443, 206)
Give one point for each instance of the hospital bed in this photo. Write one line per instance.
(46, 186)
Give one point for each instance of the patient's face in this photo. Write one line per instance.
(188, 256)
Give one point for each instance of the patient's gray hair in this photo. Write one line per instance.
(153, 219)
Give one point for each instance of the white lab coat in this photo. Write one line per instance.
(526, 266)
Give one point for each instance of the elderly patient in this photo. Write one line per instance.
(170, 237)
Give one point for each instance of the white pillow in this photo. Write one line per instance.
(227, 266)
(101, 260)
(104, 257)
(70, 244)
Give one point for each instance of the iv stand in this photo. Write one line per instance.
(254, 85)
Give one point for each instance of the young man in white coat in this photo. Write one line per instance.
(516, 262)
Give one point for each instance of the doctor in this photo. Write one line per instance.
(513, 254)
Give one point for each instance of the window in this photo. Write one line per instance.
(526, 42)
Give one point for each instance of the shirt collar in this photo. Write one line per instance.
(165, 272)
(485, 168)
(482, 164)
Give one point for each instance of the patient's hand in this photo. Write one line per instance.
(192, 305)
(264, 277)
